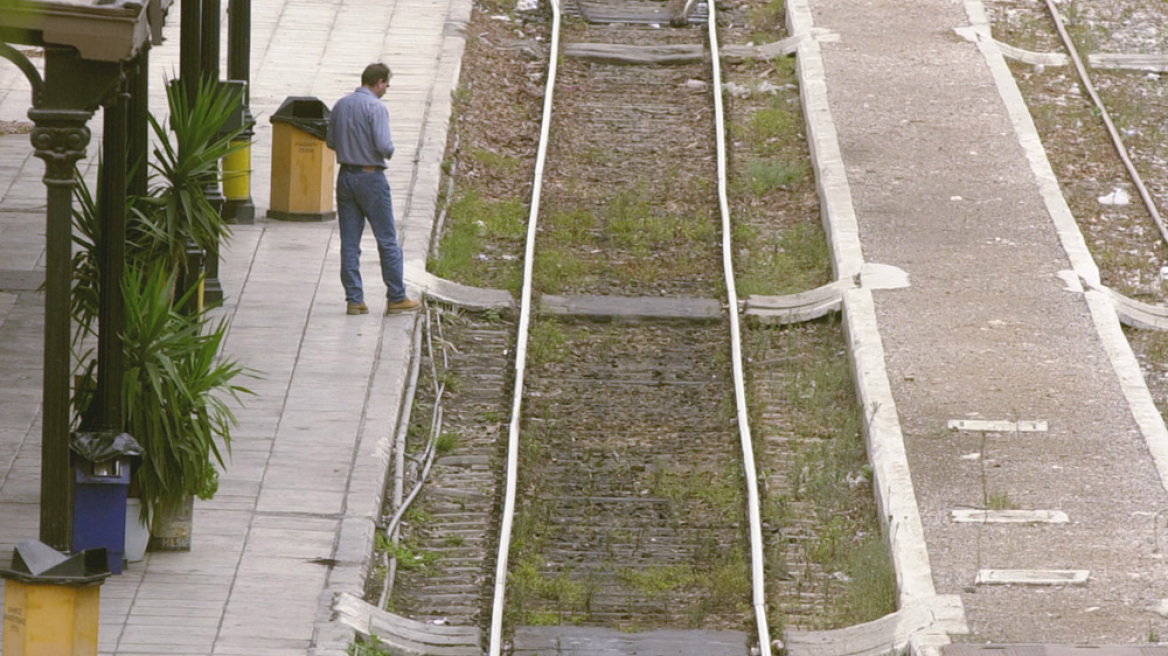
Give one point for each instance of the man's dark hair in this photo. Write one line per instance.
(374, 73)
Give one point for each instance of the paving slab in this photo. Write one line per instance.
(599, 641)
(632, 308)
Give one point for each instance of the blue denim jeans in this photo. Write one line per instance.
(360, 196)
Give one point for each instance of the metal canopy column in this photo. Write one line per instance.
(189, 47)
(138, 137)
(209, 62)
(83, 65)
(241, 210)
(111, 262)
(72, 89)
(60, 138)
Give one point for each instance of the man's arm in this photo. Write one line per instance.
(330, 133)
(382, 140)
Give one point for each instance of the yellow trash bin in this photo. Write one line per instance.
(302, 165)
(51, 601)
(237, 171)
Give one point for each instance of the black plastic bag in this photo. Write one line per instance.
(99, 446)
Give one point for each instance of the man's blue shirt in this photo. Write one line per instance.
(358, 130)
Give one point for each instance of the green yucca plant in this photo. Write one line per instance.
(86, 272)
(175, 391)
(177, 211)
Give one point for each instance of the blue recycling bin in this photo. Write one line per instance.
(101, 478)
(99, 508)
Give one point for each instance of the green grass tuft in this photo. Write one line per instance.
(477, 228)
(794, 261)
(764, 176)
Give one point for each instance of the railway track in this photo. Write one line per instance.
(628, 515)
(623, 505)
(441, 563)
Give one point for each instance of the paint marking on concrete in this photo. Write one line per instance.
(972, 515)
(990, 426)
(1033, 577)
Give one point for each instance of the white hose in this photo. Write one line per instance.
(496, 635)
(758, 579)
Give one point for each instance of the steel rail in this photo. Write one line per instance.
(748, 466)
(496, 631)
(1116, 139)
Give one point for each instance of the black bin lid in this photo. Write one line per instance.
(308, 113)
(35, 562)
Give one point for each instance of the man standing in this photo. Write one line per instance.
(358, 130)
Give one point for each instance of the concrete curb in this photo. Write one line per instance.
(631, 308)
(796, 308)
(831, 180)
(1116, 61)
(447, 291)
(887, 635)
(1143, 316)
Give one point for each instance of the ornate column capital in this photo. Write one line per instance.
(60, 138)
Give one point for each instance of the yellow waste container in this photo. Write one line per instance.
(302, 165)
(51, 601)
(237, 171)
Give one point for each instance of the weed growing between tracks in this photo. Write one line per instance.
(373, 646)
(628, 194)
(779, 243)
(766, 20)
(629, 240)
(491, 154)
(828, 562)
(631, 498)
(478, 227)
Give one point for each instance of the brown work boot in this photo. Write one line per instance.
(404, 305)
(357, 308)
